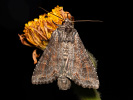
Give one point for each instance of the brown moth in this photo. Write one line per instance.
(65, 58)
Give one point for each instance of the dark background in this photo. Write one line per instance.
(101, 39)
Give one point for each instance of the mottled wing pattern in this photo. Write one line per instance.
(46, 68)
(84, 72)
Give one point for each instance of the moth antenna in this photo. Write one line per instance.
(87, 21)
(55, 23)
(51, 13)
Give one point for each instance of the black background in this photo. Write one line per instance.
(101, 39)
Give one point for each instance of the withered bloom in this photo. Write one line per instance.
(38, 32)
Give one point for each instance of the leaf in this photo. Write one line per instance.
(86, 93)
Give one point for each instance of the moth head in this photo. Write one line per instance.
(67, 22)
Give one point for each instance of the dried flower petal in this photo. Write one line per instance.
(35, 56)
(22, 40)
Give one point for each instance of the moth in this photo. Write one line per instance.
(65, 58)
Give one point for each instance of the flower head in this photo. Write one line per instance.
(38, 32)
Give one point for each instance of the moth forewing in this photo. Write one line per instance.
(46, 68)
(66, 58)
(84, 72)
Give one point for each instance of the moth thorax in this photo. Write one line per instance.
(63, 83)
(65, 54)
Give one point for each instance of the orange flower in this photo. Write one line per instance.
(38, 32)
